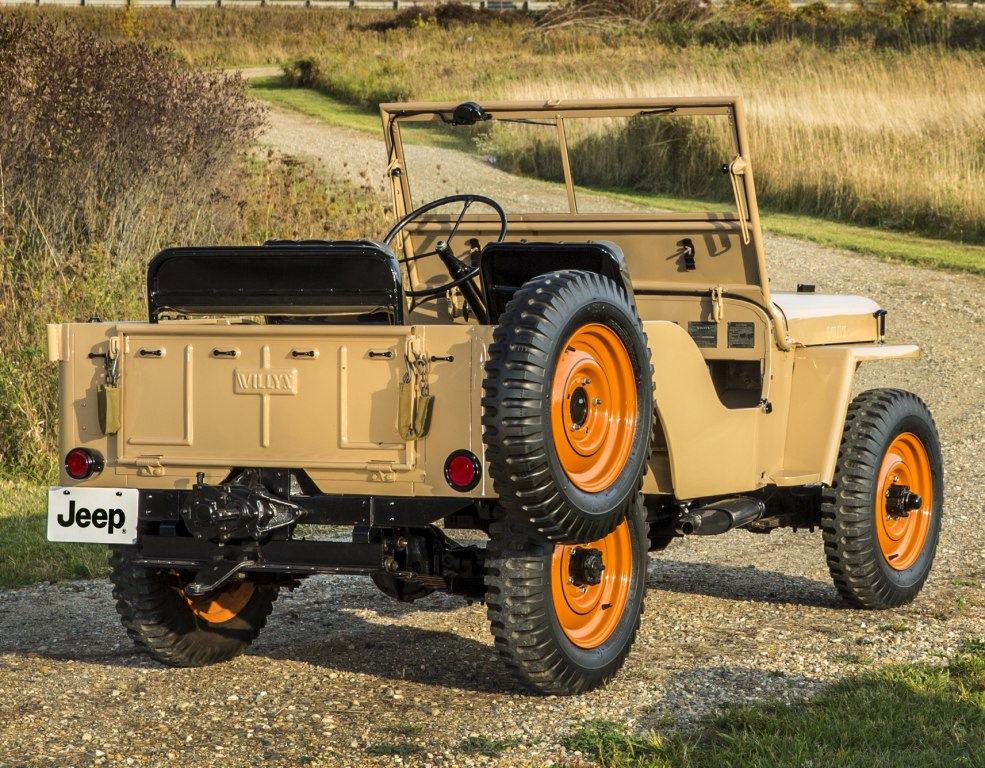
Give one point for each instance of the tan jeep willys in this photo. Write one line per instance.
(576, 377)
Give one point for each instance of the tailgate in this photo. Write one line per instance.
(318, 397)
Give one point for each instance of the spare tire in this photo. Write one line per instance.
(568, 406)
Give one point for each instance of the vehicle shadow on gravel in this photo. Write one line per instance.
(743, 583)
(402, 654)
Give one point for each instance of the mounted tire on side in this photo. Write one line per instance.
(180, 630)
(568, 406)
(881, 517)
(565, 617)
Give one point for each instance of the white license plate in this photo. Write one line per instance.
(93, 515)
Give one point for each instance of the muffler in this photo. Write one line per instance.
(722, 516)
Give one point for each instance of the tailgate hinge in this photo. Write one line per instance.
(381, 472)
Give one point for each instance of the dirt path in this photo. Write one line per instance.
(341, 671)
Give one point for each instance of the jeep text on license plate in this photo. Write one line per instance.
(93, 515)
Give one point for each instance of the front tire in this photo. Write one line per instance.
(881, 517)
(179, 630)
(560, 633)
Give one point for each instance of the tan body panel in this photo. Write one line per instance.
(813, 319)
(711, 448)
(822, 377)
(334, 414)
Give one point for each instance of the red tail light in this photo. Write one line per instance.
(81, 464)
(463, 470)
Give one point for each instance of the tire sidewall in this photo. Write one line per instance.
(625, 487)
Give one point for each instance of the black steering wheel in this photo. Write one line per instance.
(460, 272)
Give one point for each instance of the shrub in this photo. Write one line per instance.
(302, 73)
(107, 151)
(446, 15)
(620, 14)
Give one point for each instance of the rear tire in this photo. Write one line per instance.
(182, 631)
(558, 638)
(568, 406)
(878, 557)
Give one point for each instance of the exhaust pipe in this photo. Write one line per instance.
(720, 517)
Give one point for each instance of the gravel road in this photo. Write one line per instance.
(341, 672)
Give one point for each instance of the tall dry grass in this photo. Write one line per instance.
(896, 140)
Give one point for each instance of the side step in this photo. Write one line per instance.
(722, 516)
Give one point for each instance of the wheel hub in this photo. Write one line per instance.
(585, 566)
(578, 408)
(900, 502)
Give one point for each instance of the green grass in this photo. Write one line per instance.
(883, 244)
(26, 556)
(408, 729)
(314, 104)
(915, 715)
(393, 749)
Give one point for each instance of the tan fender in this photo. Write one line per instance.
(822, 386)
(712, 449)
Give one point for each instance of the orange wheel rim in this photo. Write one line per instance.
(589, 613)
(901, 539)
(593, 407)
(223, 604)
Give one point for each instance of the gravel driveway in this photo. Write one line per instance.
(341, 672)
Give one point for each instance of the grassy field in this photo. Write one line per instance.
(872, 117)
(912, 714)
(26, 556)
(885, 244)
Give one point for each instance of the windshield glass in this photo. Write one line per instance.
(653, 161)
(487, 158)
